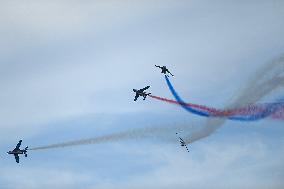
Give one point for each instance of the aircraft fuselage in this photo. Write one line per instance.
(140, 93)
(17, 152)
(164, 70)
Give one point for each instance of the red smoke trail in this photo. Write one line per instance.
(250, 109)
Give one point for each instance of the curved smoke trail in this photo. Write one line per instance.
(251, 112)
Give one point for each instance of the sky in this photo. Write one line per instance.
(67, 70)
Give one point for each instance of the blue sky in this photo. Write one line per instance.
(67, 70)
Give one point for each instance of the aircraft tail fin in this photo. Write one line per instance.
(25, 152)
(186, 149)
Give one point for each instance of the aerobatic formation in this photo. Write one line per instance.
(243, 109)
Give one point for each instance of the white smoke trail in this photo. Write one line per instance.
(165, 133)
(266, 80)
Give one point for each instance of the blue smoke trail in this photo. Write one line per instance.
(182, 103)
(270, 109)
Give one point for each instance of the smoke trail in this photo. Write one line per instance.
(266, 80)
(252, 112)
(165, 133)
(97, 140)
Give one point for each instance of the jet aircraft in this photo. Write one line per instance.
(164, 70)
(141, 92)
(18, 151)
(182, 143)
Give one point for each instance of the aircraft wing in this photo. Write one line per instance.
(17, 158)
(18, 145)
(136, 97)
(145, 88)
(186, 148)
(170, 73)
(181, 140)
(183, 144)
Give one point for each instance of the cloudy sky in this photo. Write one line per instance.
(67, 70)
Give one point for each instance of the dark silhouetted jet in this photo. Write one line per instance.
(18, 151)
(164, 70)
(182, 143)
(141, 92)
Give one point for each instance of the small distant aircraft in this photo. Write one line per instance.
(164, 70)
(141, 92)
(18, 151)
(182, 143)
